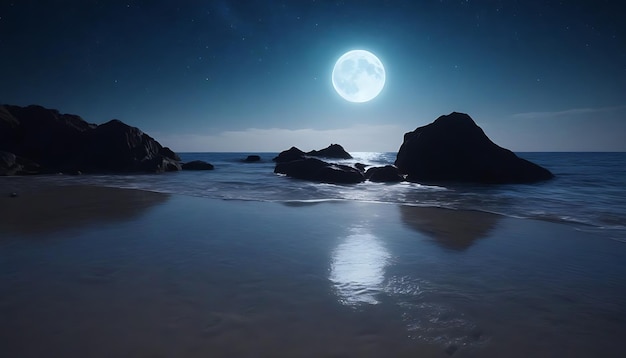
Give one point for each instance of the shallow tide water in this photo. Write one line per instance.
(589, 188)
(199, 277)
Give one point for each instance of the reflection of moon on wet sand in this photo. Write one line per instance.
(452, 229)
(358, 274)
(358, 268)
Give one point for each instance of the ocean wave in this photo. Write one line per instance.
(589, 195)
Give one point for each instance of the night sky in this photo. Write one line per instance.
(256, 75)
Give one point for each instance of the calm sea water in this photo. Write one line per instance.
(589, 189)
(305, 269)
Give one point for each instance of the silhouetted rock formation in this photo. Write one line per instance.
(53, 140)
(252, 159)
(320, 171)
(197, 165)
(386, 174)
(67, 143)
(332, 151)
(118, 147)
(454, 148)
(288, 155)
(167, 152)
(360, 166)
(11, 164)
(8, 125)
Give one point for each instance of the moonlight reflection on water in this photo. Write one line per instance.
(357, 268)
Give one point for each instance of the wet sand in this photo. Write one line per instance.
(30, 209)
(103, 272)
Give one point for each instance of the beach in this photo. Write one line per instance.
(336, 179)
(100, 272)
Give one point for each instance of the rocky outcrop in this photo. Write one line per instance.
(67, 143)
(117, 147)
(167, 152)
(335, 151)
(454, 148)
(11, 164)
(252, 159)
(320, 171)
(8, 164)
(197, 165)
(288, 155)
(53, 140)
(8, 123)
(386, 174)
(360, 166)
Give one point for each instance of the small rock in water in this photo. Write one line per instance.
(252, 158)
(13, 195)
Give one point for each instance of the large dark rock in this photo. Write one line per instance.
(335, 151)
(8, 124)
(117, 147)
(67, 143)
(167, 152)
(11, 164)
(360, 166)
(288, 155)
(197, 165)
(386, 174)
(454, 148)
(332, 151)
(45, 136)
(8, 164)
(317, 170)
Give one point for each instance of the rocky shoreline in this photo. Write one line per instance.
(37, 140)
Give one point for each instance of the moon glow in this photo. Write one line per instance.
(358, 76)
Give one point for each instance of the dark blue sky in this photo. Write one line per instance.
(255, 75)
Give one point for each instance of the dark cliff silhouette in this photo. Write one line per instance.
(35, 139)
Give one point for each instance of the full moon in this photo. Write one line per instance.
(358, 76)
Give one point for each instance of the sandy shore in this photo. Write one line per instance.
(28, 209)
(127, 273)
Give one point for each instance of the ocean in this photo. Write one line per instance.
(589, 189)
(241, 262)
